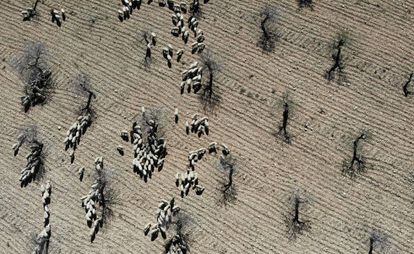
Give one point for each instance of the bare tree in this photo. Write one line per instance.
(305, 4)
(295, 225)
(82, 85)
(36, 74)
(180, 231)
(210, 93)
(378, 241)
(406, 86)
(338, 59)
(269, 36)
(357, 163)
(283, 132)
(227, 164)
(151, 116)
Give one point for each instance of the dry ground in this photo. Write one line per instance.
(326, 118)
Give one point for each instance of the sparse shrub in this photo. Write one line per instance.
(268, 25)
(36, 74)
(338, 66)
(357, 163)
(210, 92)
(296, 226)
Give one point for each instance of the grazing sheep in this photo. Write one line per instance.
(81, 172)
(179, 54)
(164, 217)
(176, 115)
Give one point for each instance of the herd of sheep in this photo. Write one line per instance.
(149, 148)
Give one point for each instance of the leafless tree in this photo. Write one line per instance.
(210, 92)
(107, 197)
(227, 164)
(283, 132)
(378, 242)
(295, 225)
(338, 60)
(357, 163)
(156, 115)
(305, 3)
(407, 84)
(268, 26)
(82, 85)
(28, 135)
(36, 74)
(180, 231)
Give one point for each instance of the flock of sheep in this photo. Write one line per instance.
(94, 202)
(75, 132)
(149, 149)
(164, 216)
(149, 152)
(42, 240)
(34, 159)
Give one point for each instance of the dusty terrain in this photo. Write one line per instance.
(325, 119)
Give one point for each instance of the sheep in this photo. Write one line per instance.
(120, 15)
(187, 128)
(212, 148)
(176, 115)
(183, 7)
(147, 229)
(175, 31)
(153, 38)
(200, 38)
(62, 11)
(225, 150)
(179, 54)
(162, 3)
(182, 87)
(185, 36)
(81, 172)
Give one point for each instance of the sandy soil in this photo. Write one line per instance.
(325, 119)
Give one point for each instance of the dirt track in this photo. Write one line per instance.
(326, 118)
